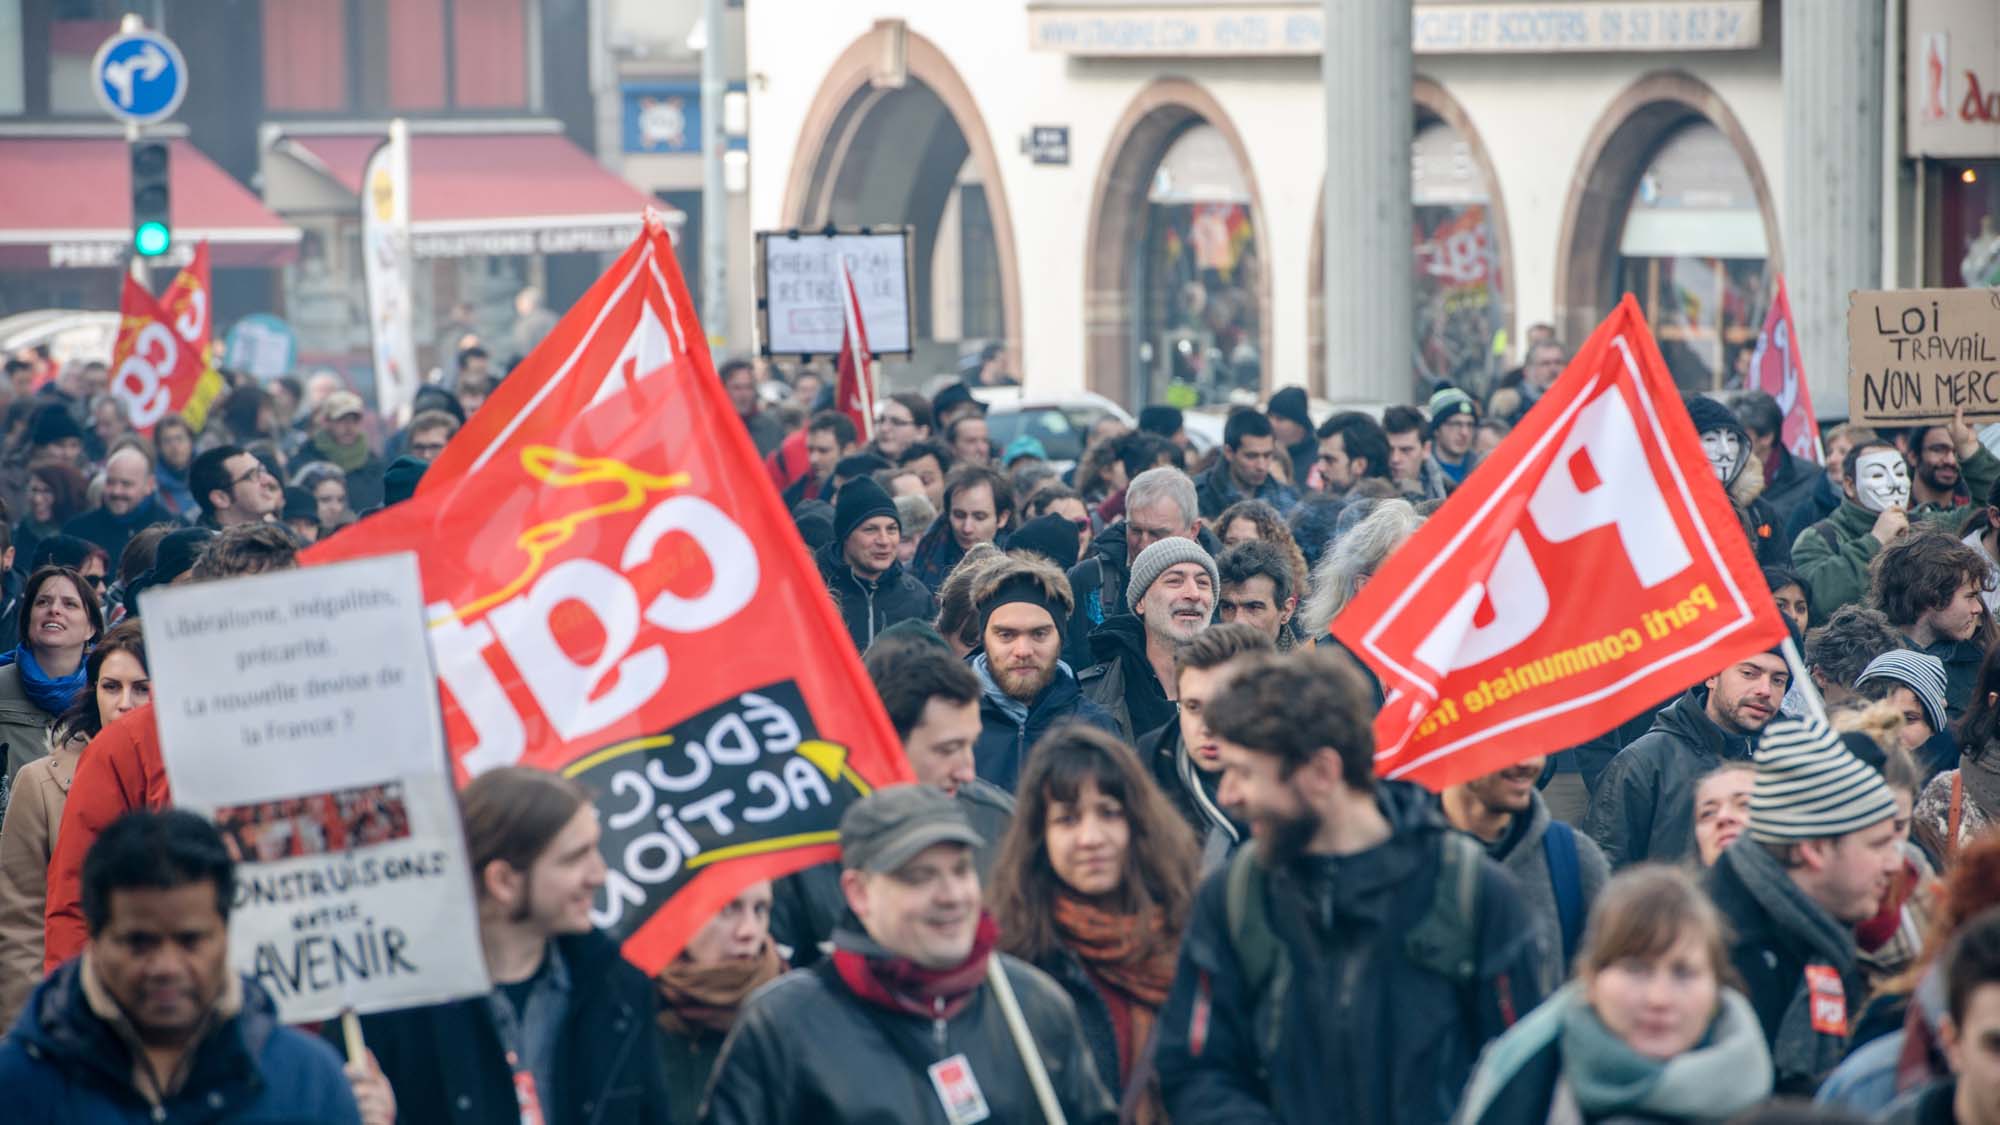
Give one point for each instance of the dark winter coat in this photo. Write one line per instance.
(1819, 502)
(64, 1063)
(1192, 792)
(867, 608)
(689, 1061)
(111, 532)
(1122, 680)
(1364, 1032)
(807, 1050)
(1010, 730)
(447, 1065)
(1523, 851)
(1932, 1105)
(1093, 1016)
(1961, 673)
(1788, 487)
(1833, 554)
(1098, 584)
(1643, 806)
(1215, 490)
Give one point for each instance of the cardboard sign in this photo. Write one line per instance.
(1917, 355)
(299, 711)
(800, 297)
(1492, 644)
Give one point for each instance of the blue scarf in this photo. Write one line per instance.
(53, 694)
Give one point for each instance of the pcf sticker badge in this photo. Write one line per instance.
(959, 1091)
(1828, 998)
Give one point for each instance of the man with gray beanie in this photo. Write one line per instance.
(903, 1022)
(1820, 852)
(1171, 596)
(861, 565)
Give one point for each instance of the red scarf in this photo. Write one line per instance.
(1871, 935)
(902, 985)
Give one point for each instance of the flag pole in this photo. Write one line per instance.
(1808, 691)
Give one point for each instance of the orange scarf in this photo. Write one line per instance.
(704, 998)
(1131, 961)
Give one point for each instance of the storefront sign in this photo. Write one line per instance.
(1917, 355)
(662, 117)
(1492, 28)
(606, 239)
(1952, 107)
(1048, 144)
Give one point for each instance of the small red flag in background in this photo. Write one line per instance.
(1588, 569)
(628, 603)
(854, 391)
(1777, 370)
(159, 365)
(635, 318)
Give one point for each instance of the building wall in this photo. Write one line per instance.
(1535, 115)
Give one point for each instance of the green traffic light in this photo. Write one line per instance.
(152, 239)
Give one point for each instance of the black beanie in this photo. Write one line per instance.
(859, 500)
(814, 519)
(400, 479)
(299, 505)
(1051, 536)
(54, 424)
(859, 465)
(1709, 414)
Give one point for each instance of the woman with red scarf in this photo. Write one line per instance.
(1093, 885)
(701, 990)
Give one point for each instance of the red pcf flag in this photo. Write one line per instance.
(1587, 570)
(630, 605)
(158, 363)
(1777, 370)
(854, 391)
(636, 317)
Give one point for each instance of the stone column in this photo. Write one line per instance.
(1833, 177)
(1367, 71)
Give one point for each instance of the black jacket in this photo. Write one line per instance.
(1815, 504)
(111, 532)
(1215, 490)
(1788, 488)
(806, 1050)
(1098, 583)
(1366, 1035)
(1961, 673)
(1121, 679)
(867, 608)
(1093, 1016)
(1004, 741)
(447, 1066)
(1643, 805)
(1192, 792)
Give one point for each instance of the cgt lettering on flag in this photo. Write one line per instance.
(1589, 569)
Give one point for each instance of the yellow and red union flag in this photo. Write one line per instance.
(628, 603)
(1590, 568)
(188, 303)
(159, 364)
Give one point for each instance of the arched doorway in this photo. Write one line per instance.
(1177, 288)
(909, 146)
(1463, 266)
(1671, 205)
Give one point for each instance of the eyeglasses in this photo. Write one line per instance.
(1082, 524)
(892, 420)
(253, 474)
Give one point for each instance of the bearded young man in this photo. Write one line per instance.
(1025, 688)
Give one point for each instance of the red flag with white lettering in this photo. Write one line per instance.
(854, 391)
(1589, 568)
(188, 302)
(631, 321)
(629, 604)
(155, 369)
(1777, 370)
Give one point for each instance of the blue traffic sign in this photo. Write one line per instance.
(139, 76)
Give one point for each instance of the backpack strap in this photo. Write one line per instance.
(1260, 956)
(1446, 939)
(1566, 879)
(1826, 533)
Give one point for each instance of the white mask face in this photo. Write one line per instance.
(1881, 480)
(1725, 454)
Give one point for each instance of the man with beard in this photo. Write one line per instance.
(1362, 953)
(1559, 869)
(569, 1025)
(1930, 586)
(1352, 448)
(1172, 598)
(1025, 688)
(1935, 460)
(904, 1022)
(1642, 806)
(1819, 855)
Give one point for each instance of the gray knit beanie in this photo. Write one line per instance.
(1809, 787)
(1157, 559)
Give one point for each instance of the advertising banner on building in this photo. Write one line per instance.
(389, 269)
(1951, 106)
(1922, 355)
(1489, 648)
(299, 711)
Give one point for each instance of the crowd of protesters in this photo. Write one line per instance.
(1147, 871)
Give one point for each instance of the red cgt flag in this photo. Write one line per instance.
(159, 365)
(630, 605)
(1777, 370)
(1588, 569)
(854, 391)
(636, 317)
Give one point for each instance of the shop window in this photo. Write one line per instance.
(1199, 311)
(1693, 251)
(1460, 288)
(980, 258)
(1968, 222)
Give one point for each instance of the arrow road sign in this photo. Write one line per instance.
(139, 76)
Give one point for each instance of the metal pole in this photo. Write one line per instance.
(714, 200)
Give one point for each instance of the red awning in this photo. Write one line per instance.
(67, 203)
(481, 194)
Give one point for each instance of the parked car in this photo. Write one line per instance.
(1060, 422)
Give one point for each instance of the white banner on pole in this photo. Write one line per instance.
(390, 271)
(299, 711)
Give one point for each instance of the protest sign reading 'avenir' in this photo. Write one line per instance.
(1918, 355)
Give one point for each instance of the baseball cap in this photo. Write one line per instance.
(342, 404)
(888, 828)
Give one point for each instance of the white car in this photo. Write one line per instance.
(1060, 422)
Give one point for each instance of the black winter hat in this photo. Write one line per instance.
(299, 505)
(955, 394)
(814, 519)
(858, 501)
(1050, 536)
(1165, 421)
(54, 424)
(175, 556)
(400, 479)
(859, 465)
(1290, 404)
(1709, 414)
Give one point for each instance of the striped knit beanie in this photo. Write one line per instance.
(1921, 672)
(1809, 787)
